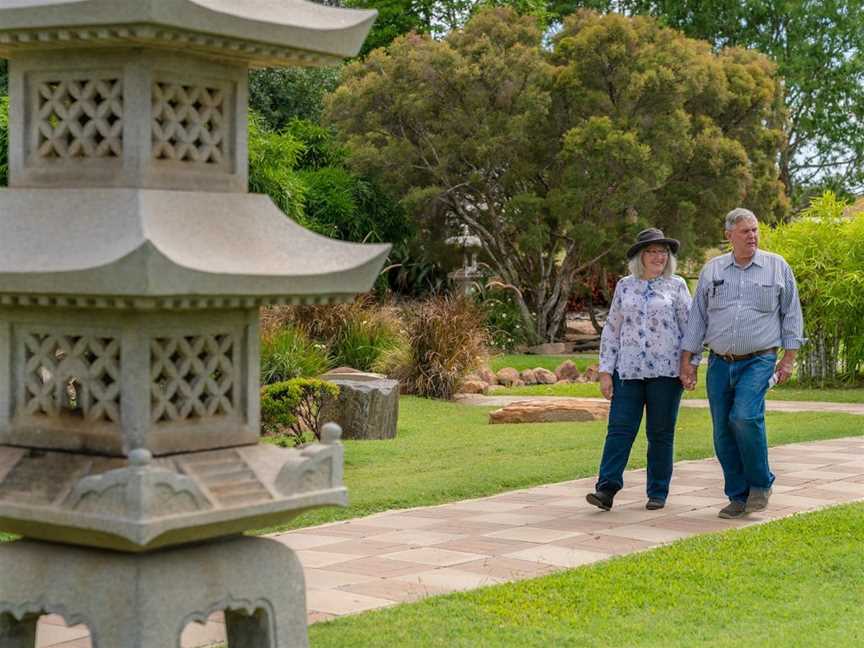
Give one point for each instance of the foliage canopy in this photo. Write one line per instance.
(554, 158)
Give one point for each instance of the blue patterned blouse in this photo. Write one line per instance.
(646, 323)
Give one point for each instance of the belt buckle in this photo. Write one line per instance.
(728, 357)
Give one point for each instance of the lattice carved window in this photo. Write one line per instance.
(79, 118)
(192, 377)
(72, 374)
(189, 123)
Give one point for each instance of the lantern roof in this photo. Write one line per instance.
(259, 32)
(133, 243)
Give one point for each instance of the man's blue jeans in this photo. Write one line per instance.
(660, 398)
(736, 392)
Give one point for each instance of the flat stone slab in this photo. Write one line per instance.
(543, 411)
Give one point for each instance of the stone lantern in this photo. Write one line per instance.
(132, 265)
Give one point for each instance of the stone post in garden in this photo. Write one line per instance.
(132, 265)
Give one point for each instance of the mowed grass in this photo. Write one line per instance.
(446, 452)
(788, 392)
(796, 582)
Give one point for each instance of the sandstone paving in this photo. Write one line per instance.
(403, 556)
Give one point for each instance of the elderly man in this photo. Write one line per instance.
(745, 309)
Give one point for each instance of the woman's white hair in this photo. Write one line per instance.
(637, 268)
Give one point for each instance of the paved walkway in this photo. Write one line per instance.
(771, 405)
(400, 556)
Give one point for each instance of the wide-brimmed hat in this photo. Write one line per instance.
(652, 236)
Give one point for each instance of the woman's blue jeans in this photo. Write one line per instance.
(659, 398)
(736, 392)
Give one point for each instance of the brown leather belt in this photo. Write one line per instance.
(731, 357)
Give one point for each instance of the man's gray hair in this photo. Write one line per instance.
(737, 215)
(637, 268)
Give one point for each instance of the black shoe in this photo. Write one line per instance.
(600, 499)
(655, 503)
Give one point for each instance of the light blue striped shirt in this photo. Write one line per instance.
(742, 309)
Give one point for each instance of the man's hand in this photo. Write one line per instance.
(687, 372)
(606, 386)
(785, 366)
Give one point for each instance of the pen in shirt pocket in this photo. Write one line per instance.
(716, 282)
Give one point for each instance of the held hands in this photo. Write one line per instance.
(606, 386)
(687, 375)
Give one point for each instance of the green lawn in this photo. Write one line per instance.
(790, 391)
(796, 582)
(446, 451)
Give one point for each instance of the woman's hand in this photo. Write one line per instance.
(606, 386)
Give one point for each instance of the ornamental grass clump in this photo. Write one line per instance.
(287, 352)
(355, 335)
(446, 341)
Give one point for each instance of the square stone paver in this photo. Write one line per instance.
(379, 567)
(299, 541)
(515, 519)
(416, 537)
(560, 556)
(648, 533)
(341, 602)
(328, 579)
(509, 568)
(600, 543)
(434, 556)
(485, 545)
(365, 548)
(488, 507)
(533, 534)
(451, 579)
(399, 522)
(316, 559)
(395, 590)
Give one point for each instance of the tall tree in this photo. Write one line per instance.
(553, 158)
(817, 45)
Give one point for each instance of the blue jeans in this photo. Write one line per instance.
(736, 392)
(660, 398)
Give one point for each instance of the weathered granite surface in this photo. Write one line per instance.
(550, 412)
(367, 406)
(145, 601)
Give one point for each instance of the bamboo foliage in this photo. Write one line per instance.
(825, 248)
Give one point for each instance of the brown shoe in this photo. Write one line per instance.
(655, 503)
(733, 510)
(757, 500)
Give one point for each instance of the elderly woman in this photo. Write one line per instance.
(640, 351)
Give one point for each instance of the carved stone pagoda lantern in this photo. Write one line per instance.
(132, 265)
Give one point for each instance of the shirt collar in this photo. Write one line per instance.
(757, 260)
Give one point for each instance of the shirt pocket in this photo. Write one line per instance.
(719, 297)
(763, 296)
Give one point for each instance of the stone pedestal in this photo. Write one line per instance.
(367, 406)
(145, 601)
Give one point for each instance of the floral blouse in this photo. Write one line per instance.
(643, 332)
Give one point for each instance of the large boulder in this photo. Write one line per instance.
(508, 377)
(567, 371)
(592, 374)
(474, 387)
(545, 377)
(487, 376)
(528, 377)
(575, 410)
(367, 406)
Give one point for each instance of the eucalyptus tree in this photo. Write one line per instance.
(554, 157)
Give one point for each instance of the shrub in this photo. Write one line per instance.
(288, 353)
(355, 335)
(826, 251)
(290, 410)
(447, 340)
(4, 140)
(503, 321)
